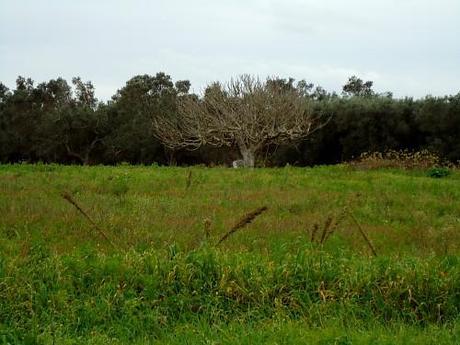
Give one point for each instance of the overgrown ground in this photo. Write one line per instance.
(163, 279)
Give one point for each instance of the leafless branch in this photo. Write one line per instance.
(245, 112)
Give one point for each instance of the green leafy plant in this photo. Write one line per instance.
(438, 172)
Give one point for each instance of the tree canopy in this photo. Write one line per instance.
(154, 119)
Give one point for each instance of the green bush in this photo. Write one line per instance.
(438, 172)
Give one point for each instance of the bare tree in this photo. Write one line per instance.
(246, 113)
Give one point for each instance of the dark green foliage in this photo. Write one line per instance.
(356, 87)
(439, 122)
(54, 122)
(47, 123)
(130, 113)
(51, 122)
(438, 172)
(379, 123)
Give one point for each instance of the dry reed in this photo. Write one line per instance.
(207, 228)
(363, 233)
(314, 231)
(247, 219)
(66, 196)
(326, 229)
(188, 182)
(330, 226)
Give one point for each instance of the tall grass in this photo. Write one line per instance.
(137, 293)
(400, 211)
(305, 262)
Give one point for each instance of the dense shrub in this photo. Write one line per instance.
(53, 122)
(438, 172)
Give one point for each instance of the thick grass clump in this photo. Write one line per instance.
(132, 295)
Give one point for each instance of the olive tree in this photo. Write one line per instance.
(245, 113)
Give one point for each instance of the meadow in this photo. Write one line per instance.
(148, 254)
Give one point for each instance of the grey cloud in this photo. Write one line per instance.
(405, 46)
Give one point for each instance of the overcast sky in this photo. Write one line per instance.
(410, 47)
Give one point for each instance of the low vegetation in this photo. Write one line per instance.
(329, 255)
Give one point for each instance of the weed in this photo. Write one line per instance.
(438, 172)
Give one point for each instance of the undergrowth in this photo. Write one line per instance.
(402, 159)
(141, 255)
(133, 294)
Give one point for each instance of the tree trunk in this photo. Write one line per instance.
(248, 157)
(171, 156)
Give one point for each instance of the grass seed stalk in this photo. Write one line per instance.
(247, 219)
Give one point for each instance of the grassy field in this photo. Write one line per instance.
(107, 255)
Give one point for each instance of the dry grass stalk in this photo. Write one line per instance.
(363, 233)
(332, 229)
(207, 228)
(247, 219)
(330, 226)
(314, 231)
(66, 196)
(336, 223)
(188, 182)
(403, 159)
(326, 229)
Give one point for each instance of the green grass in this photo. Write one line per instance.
(167, 282)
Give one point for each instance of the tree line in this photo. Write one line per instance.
(153, 119)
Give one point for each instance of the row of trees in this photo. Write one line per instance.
(54, 122)
(270, 122)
